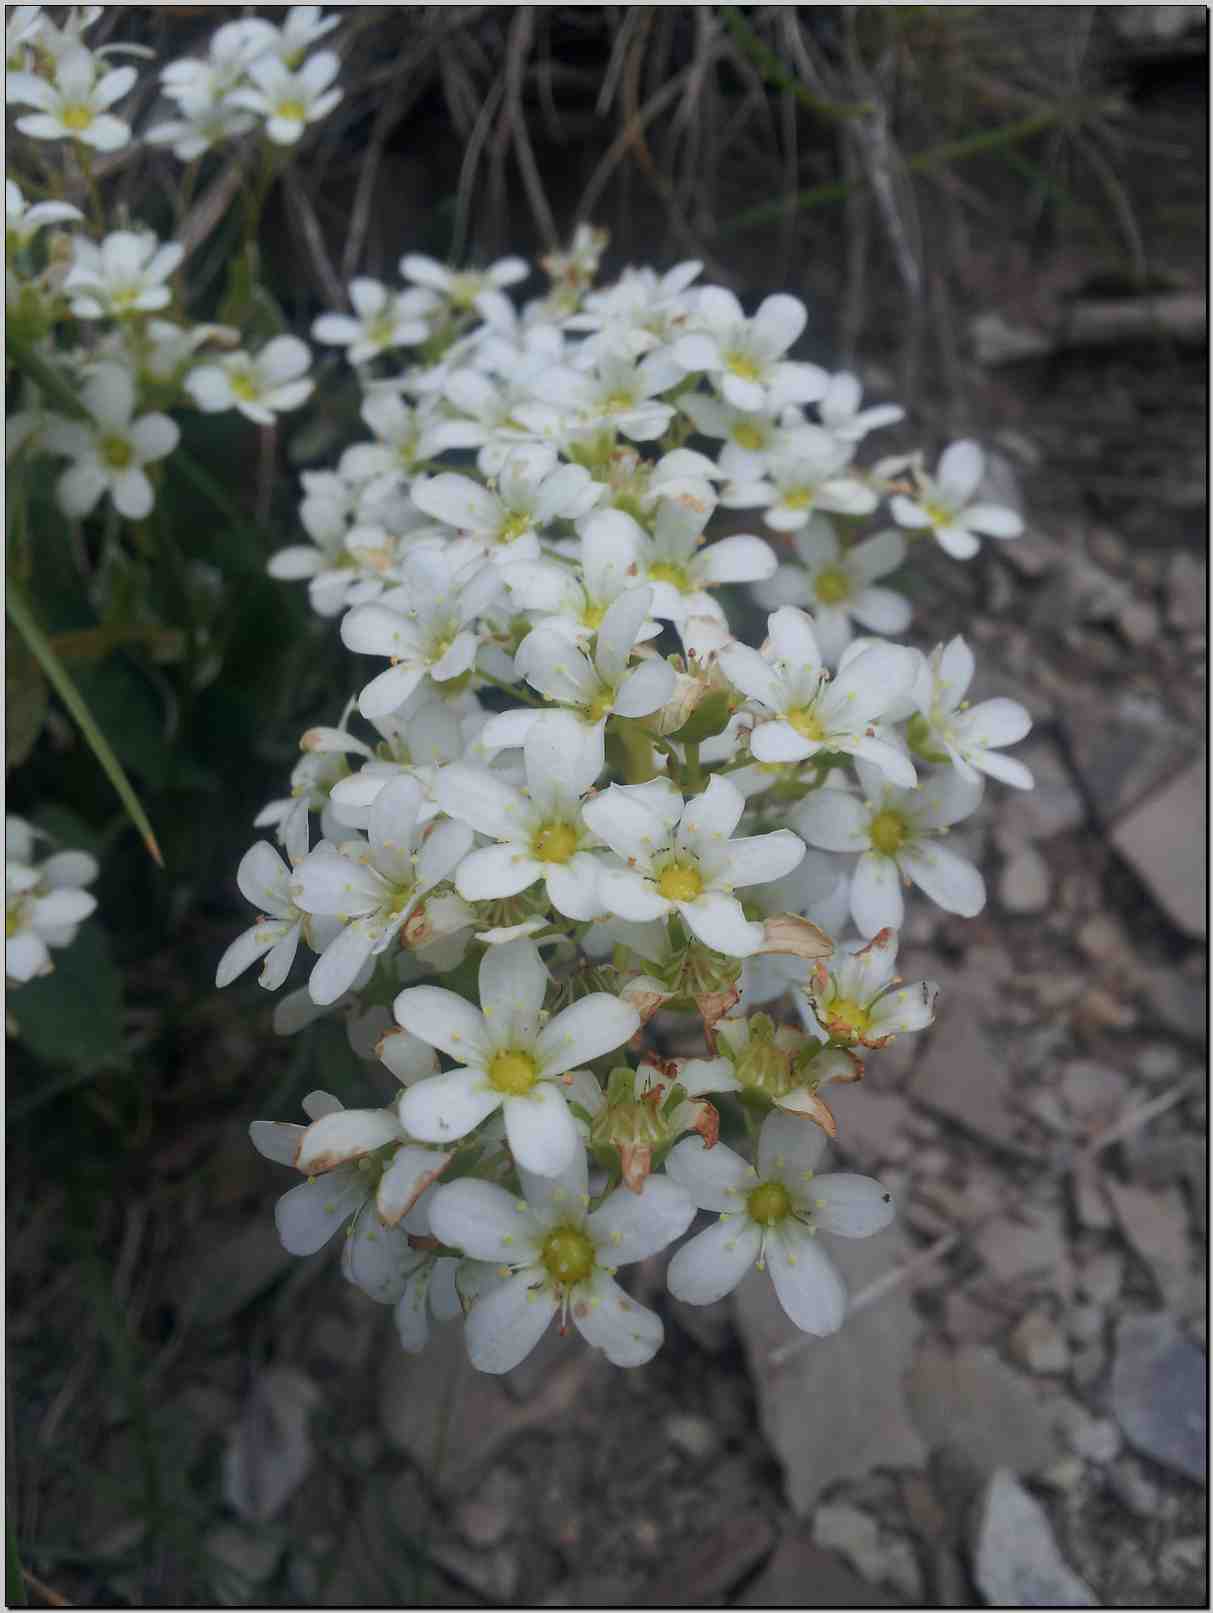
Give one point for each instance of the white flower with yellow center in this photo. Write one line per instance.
(771, 1213)
(896, 833)
(859, 1002)
(74, 104)
(681, 858)
(287, 100)
(127, 274)
(509, 1058)
(539, 828)
(619, 394)
(461, 287)
(946, 504)
(558, 1258)
(531, 492)
(264, 880)
(676, 563)
(374, 886)
(381, 321)
(110, 450)
(812, 713)
(841, 415)
(838, 585)
(947, 728)
(22, 222)
(808, 471)
(261, 386)
(44, 903)
(746, 357)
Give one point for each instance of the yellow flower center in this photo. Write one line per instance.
(76, 116)
(807, 723)
(747, 436)
(769, 1203)
(514, 527)
(888, 831)
(555, 843)
(244, 385)
(381, 329)
(680, 882)
(798, 498)
(116, 452)
(845, 1015)
(938, 514)
(294, 110)
(568, 1255)
(592, 615)
(833, 585)
(14, 918)
(465, 288)
(617, 402)
(602, 703)
(512, 1073)
(742, 366)
(675, 575)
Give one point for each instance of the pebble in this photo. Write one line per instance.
(1186, 593)
(1103, 940)
(1025, 885)
(1090, 1201)
(1101, 1278)
(1084, 1323)
(1133, 1489)
(1088, 1364)
(1158, 1062)
(1039, 1344)
(1017, 1562)
(695, 1437)
(853, 1534)
(1098, 1440)
(1138, 621)
(1160, 1394)
(1094, 1093)
(1181, 1558)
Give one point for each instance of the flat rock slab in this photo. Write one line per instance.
(834, 1409)
(971, 1405)
(1123, 751)
(1164, 841)
(960, 1077)
(1016, 1559)
(1160, 1394)
(802, 1575)
(1155, 1222)
(1053, 807)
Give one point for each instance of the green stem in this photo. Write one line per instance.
(60, 680)
(692, 773)
(508, 688)
(48, 379)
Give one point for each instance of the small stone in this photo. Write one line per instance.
(1090, 1201)
(998, 340)
(1158, 1062)
(485, 1520)
(1175, 1003)
(1101, 1278)
(1156, 1225)
(968, 1322)
(1103, 940)
(1025, 885)
(1160, 1394)
(1039, 1344)
(705, 1573)
(1138, 621)
(799, 1568)
(1016, 1559)
(251, 1556)
(852, 1533)
(972, 1405)
(902, 1572)
(1098, 1440)
(1108, 549)
(1093, 1093)
(1087, 1364)
(1187, 593)
(494, 1574)
(871, 1125)
(1065, 1475)
(1131, 1487)
(695, 1437)
(1084, 1323)
(1029, 1245)
(1053, 807)
(1181, 1559)
(1162, 840)
(1101, 1010)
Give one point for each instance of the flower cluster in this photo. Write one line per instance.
(566, 806)
(45, 901)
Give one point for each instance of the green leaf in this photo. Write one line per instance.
(74, 1015)
(14, 1578)
(26, 701)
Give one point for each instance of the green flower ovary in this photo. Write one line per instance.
(568, 1255)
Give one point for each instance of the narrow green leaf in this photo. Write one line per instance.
(14, 1578)
(60, 680)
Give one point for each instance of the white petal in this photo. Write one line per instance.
(758, 859)
(584, 1031)
(309, 1214)
(377, 1258)
(276, 1140)
(713, 1178)
(264, 880)
(709, 819)
(447, 1107)
(542, 1133)
(630, 896)
(718, 921)
(513, 981)
(483, 1220)
(788, 1145)
(483, 799)
(876, 899)
(625, 1331)
(806, 1279)
(339, 966)
(714, 1262)
(411, 1171)
(338, 1139)
(412, 1313)
(496, 871)
(632, 1226)
(947, 878)
(644, 689)
(444, 1020)
(834, 820)
(407, 1057)
(506, 1323)
(851, 1206)
(739, 559)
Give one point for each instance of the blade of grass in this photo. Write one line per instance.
(778, 76)
(14, 1575)
(971, 145)
(60, 680)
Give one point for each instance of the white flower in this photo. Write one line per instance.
(312, 778)
(560, 1260)
(22, 222)
(462, 287)
(231, 48)
(750, 436)
(264, 880)
(843, 418)
(44, 903)
(509, 1059)
(746, 356)
(552, 661)
(424, 626)
(771, 1214)
(417, 740)
(374, 886)
(807, 471)
(576, 599)
(617, 395)
(261, 386)
(639, 312)
(967, 736)
(539, 829)
(859, 1001)
(126, 274)
(110, 450)
(897, 834)
(287, 100)
(203, 123)
(836, 584)
(532, 492)
(73, 105)
(673, 562)
(299, 31)
(384, 320)
(682, 858)
(945, 504)
(813, 713)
